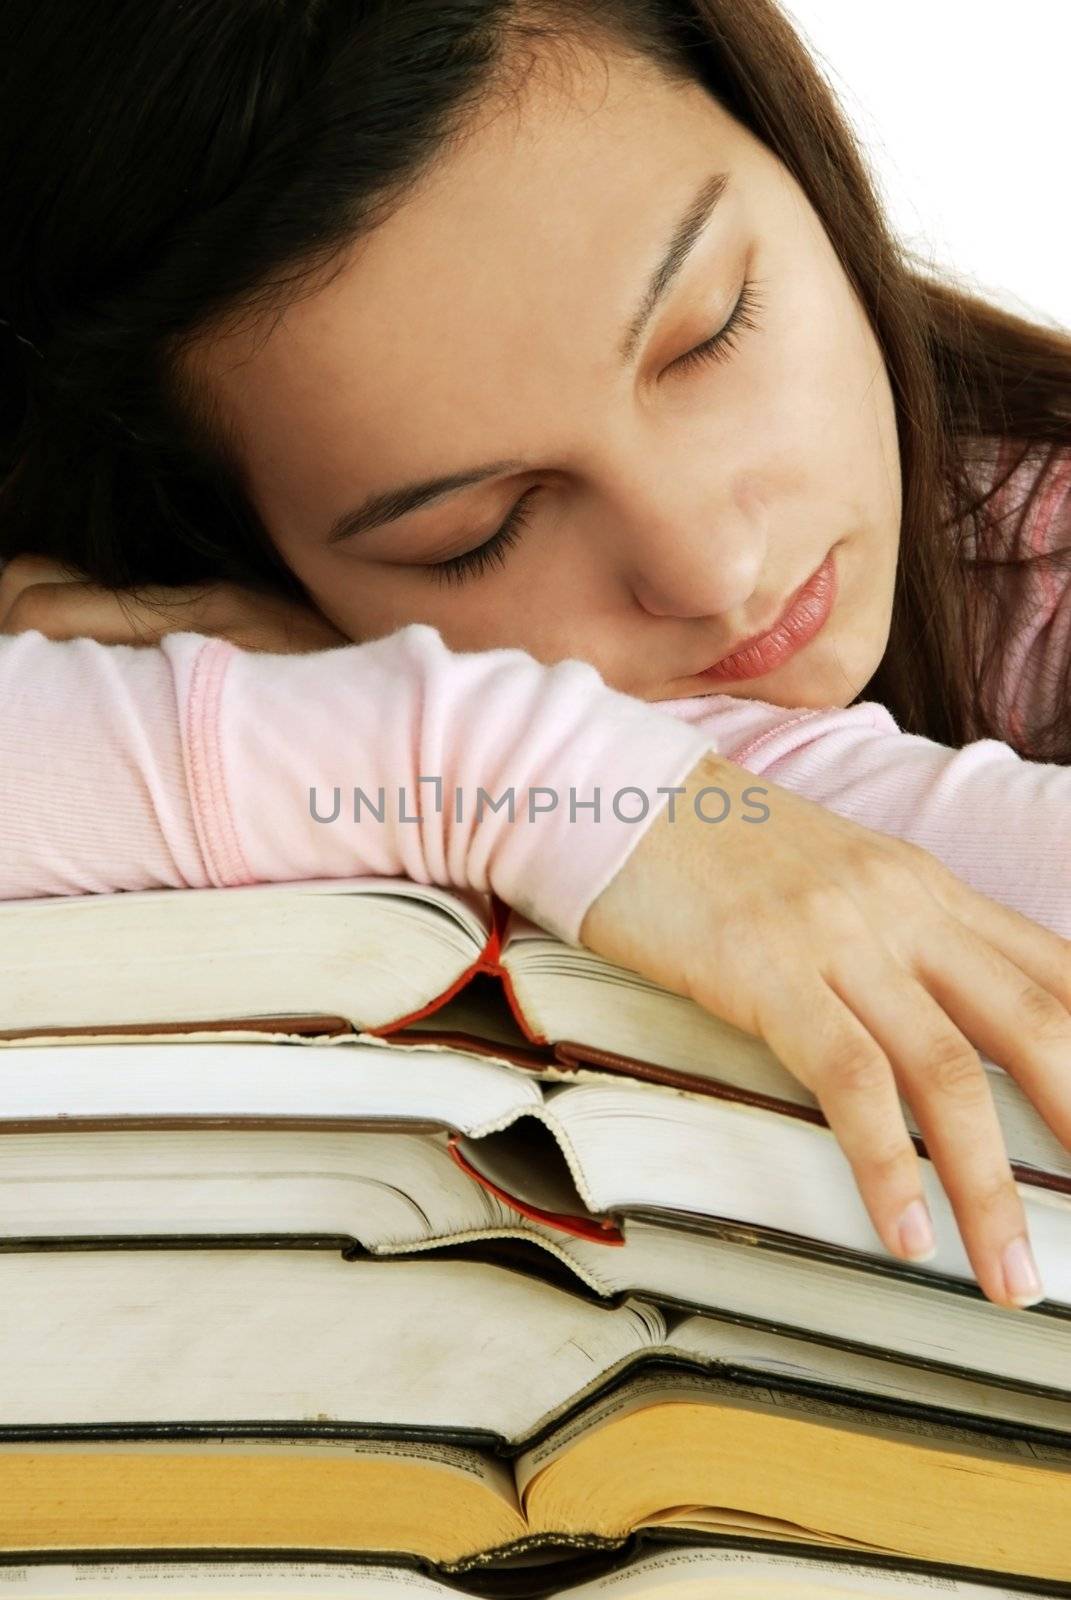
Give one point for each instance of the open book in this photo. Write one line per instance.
(713, 1565)
(228, 1340)
(220, 1139)
(387, 956)
(290, 1400)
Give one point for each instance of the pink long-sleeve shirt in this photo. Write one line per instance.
(196, 764)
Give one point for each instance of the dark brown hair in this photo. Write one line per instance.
(166, 165)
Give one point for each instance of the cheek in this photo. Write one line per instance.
(337, 587)
(840, 402)
(367, 601)
(540, 603)
(824, 348)
(792, 390)
(362, 606)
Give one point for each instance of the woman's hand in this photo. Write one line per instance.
(38, 593)
(867, 967)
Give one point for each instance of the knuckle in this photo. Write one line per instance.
(888, 1168)
(15, 576)
(1063, 950)
(1043, 1013)
(954, 1069)
(993, 1195)
(920, 859)
(25, 568)
(900, 869)
(856, 1068)
(29, 609)
(825, 906)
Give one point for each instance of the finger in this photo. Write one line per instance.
(1039, 952)
(23, 572)
(943, 1081)
(1018, 1023)
(143, 616)
(83, 610)
(847, 1070)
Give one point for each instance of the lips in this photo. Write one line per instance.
(803, 617)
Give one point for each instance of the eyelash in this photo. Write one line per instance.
(473, 563)
(718, 346)
(493, 550)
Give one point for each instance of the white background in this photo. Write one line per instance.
(964, 108)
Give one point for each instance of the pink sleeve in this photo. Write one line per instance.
(1001, 824)
(196, 764)
(191, 765)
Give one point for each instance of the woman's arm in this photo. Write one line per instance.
(191, 765)
(1001, 824)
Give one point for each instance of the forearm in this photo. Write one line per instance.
(193, 765)
(1003, 825)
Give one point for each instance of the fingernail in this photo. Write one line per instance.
(1021, 1278)
(916, 1233)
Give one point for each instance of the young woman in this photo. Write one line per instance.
(530, 396)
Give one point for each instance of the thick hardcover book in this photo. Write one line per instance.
(271, 1460)
(632, 1186)
(653, 1564)
(397, 959)
(160, 1337)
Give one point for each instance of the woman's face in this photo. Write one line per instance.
(672, 504)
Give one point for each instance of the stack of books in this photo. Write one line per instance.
(359, 1237)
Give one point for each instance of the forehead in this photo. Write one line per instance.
(501, 283)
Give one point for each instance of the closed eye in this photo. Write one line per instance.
(493, 550)
(719, 345)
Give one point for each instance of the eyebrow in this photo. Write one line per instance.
(392, 504)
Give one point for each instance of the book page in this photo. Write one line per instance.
(674, 1574)
(429, 1497)
(218, 1580)
(709, 1338)
(697, 1574)
(370, 951)
(299, 1337)
(661, 1389)
(360, 1080)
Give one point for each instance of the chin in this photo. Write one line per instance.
(814, 698)
(834, 677)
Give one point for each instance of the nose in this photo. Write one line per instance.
(691, 553)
